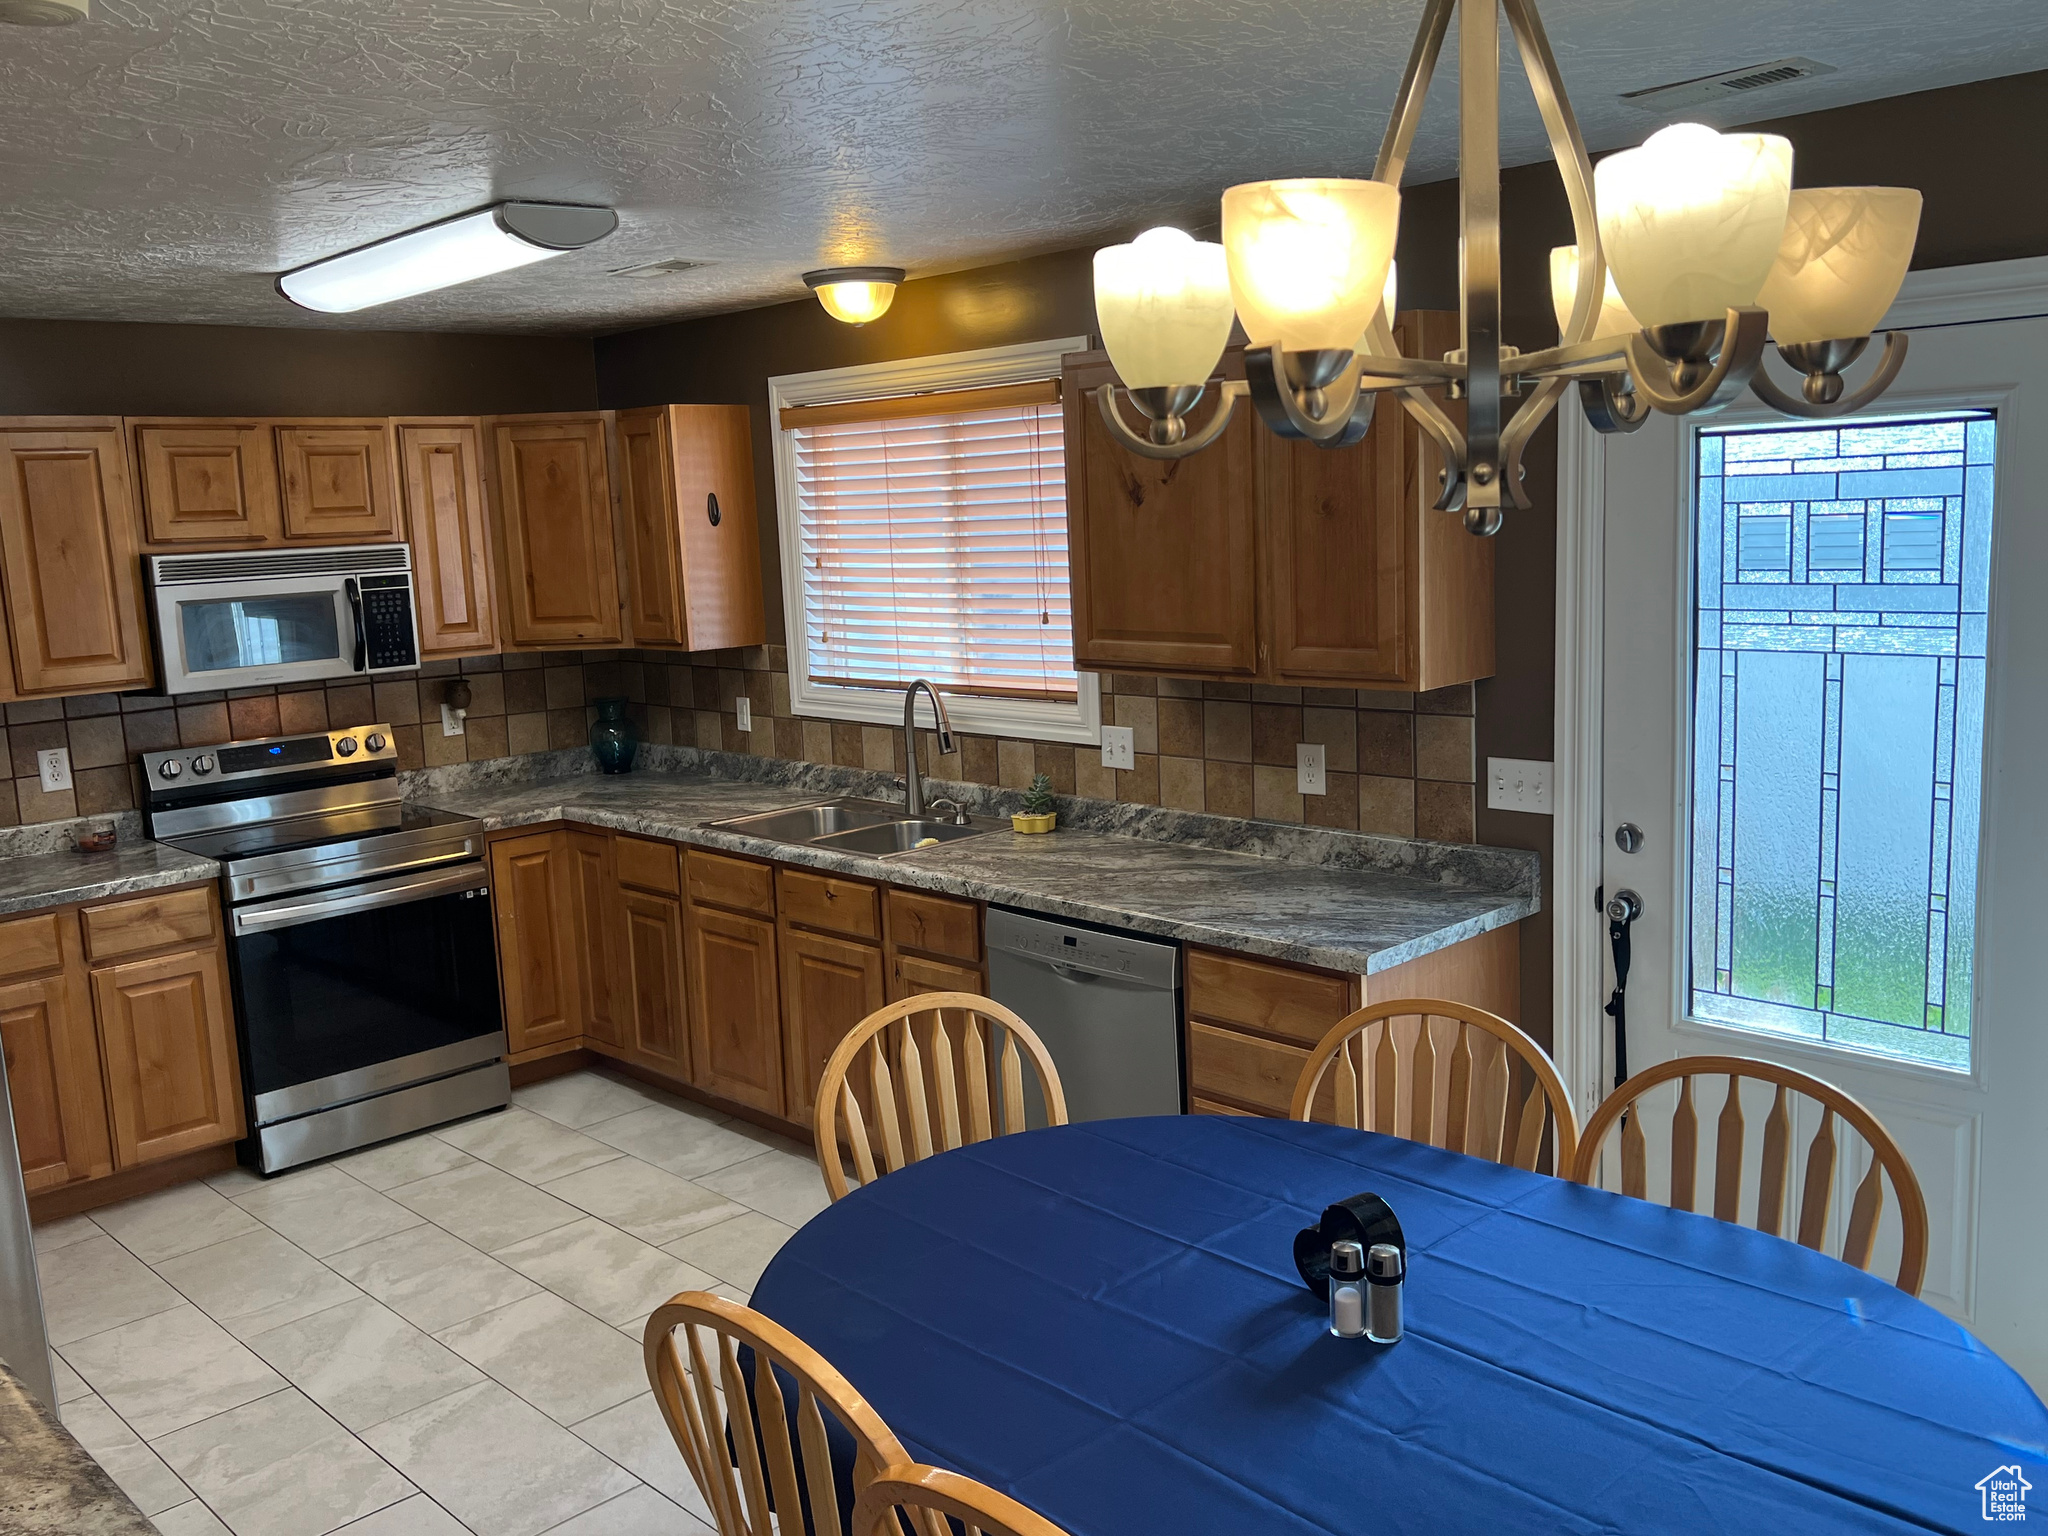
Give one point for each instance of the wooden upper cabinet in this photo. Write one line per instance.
(207, 482)
(168, 1039)
(73, 572)
(336, 482)
(440, 468)
(693, 554)
(553, 531)
(1162, 550)
(53, 1058)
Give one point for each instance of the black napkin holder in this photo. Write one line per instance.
(1363, 1219)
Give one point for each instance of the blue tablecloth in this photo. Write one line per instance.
(1104, 1321)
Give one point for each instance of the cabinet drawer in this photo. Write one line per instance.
(721, 882)
(149, 922)
(31, 945)
(934, 924)
(1278, 999)
(1211, 1107)
(648, 866)
(1243, 1069)
(851, 907)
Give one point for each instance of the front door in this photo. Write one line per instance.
(1826, 712)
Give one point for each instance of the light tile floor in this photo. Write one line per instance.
(437, 1336)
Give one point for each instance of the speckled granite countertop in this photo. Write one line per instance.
(49, 1485)
(61, 875)
(1345, 901)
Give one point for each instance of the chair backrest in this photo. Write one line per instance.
(926, 1075)
(1817, 1184)
(919, 1499)
(743, 1474)
(1451, 1075)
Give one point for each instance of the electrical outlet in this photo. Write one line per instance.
(746, 713)
(451, 721)
(1118, 745)
(1308, 769)
(55, 767)
(1518, 784)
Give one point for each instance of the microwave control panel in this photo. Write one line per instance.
(388, 634)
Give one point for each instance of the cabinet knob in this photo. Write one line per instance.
(711, 509)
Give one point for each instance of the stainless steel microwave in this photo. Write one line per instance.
(241, 619)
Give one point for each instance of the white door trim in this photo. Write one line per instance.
(1941, 296)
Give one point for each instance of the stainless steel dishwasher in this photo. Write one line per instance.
(1106, 1004)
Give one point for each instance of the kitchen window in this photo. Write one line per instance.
(924, 534)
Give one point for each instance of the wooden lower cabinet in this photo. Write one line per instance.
(655, 1009)
(172, 1084)
(53, 1072)
(911, 974)
(590, 897)
(735, 1019)
(828, 986)
(538, 952)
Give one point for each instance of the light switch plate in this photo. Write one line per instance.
(55, 767)
(451, 721)
(1518, 784)
(1308, 769)
(1118, 747)
(746, 713)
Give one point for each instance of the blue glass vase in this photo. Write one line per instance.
(612, 737)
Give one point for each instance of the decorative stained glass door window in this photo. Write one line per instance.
(1838, 730)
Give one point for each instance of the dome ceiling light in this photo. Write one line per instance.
(855, 295)
(1692, 253)
(42, 13)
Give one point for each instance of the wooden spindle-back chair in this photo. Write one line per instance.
(1817, 1182)
(1451, 1075)
(920, 1499)
(744, 1469)
(926, 1075)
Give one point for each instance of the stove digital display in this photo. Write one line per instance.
(279, 754)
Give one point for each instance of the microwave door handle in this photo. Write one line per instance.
(355, 608)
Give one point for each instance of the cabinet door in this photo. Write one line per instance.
(654, 577)
(554, 533)
(73, 572)
(337, 483)
(207, 482)
(911, 974)
(537, 945)
(441, 473)
(656, 1012)
(1339, 567)
(828, 986)
(168, 1041)
(590, 898)
(735, 1025)
(1161, 550)
(711, 456)
(53, 1056)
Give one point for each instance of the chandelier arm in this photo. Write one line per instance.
(1479, 245)
(1608, 408)
(1228, 392)
(1574, 167)
(1265, 370)
(1575, 359)
(1767, 389)
(1407, 113)
(1450, 442)
(1742, 348)
(1530, 415)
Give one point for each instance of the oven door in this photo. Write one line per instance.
(240, 634)
(355, 991)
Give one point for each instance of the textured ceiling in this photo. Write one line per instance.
(165, 159)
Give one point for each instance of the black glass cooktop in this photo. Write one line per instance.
(303, 832)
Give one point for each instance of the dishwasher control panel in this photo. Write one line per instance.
(1153, 962)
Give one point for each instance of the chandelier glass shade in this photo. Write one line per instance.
(1691, 255)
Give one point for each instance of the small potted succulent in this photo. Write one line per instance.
(1038, 814)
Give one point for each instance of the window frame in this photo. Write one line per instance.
(1079, 720)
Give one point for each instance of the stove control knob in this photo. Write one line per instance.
(346, 746)
(169, 768)
(375, 741)
(203, 763)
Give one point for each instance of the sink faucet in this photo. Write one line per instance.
(913, 786)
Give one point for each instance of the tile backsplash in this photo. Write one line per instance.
(1395, 762)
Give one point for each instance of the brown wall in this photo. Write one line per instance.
(74, 367)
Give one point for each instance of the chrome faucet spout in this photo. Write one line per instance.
(913, 783)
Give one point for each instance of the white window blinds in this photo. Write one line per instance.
(933, 535)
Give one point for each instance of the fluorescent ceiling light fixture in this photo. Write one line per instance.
(456, 250)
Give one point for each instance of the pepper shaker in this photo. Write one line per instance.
(1347, 1290)
(1385, 1270)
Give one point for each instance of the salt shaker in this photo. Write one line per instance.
(1347, 1290)
(1385, 1270)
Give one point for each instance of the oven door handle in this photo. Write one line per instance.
(291, 911)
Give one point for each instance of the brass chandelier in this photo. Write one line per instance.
(1692, 254)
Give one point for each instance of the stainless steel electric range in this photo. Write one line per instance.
(360, 938)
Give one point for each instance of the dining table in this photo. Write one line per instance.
(1104, 1320)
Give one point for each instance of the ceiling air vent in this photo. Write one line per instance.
(1726, 85)
(667, 268)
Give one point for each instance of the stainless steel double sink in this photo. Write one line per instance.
(856, 826)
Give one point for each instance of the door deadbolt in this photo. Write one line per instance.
(1628, 837)
(1624, 906)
